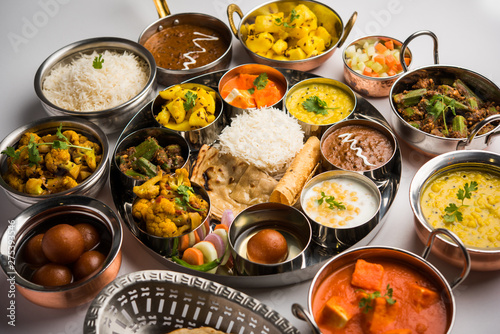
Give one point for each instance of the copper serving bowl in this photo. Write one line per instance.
(168, 77)
(327, 17)
(419, 263)
(370, 86)
(89, 187)
(40, 217)
(483, 259)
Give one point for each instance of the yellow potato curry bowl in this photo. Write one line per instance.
(460, 191)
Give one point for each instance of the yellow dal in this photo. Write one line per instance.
(480, 226)
(333, 96)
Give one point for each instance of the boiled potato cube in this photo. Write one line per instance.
(279, 47)
(176, 109)
(311, 44)
(269, 23)
(322, 33)
(170, 93)
(163, 116)
(260, 43)
(295, 54)
(303, 14)
(198, 118)
(204, 100)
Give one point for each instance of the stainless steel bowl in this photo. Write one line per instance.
(419, 263)
(327, 17)
(113, 119)
(482, 259)
(196, 138)
(430, 144)
(317, 130)
(377, 174)
(40, 217)
(168, 77)
(341, 237)
(89, 187)
(370, 86)
(289, 221)
(159, 301)
(255, 69)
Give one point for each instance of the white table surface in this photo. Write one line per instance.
(30, 30)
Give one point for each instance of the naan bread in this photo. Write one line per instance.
(230, 182)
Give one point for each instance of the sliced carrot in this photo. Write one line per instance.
(389, 45)
(390, 60)
(407, 61)
(221, 226)
(379, 59)
(184, 243)
(380, 48)
(367, 71)
(391, 72)
(193, 256)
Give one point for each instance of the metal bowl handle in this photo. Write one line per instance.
(464, 143)
(162, 8)
(409, 39)
(451, 235)
(300, 313)
(348, 28)
(231, 9)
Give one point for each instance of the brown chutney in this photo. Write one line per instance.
(185, 46)
(357, 148)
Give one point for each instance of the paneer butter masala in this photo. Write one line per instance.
(379, 297)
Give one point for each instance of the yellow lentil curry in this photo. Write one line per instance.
(319, 104)
(479, 225)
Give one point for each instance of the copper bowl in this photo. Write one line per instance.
(370, 86)
(483, 259)
(40, 217)
(419, 263)
(327, 17)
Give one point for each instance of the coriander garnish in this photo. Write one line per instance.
(260, 83)
(293, 16)
(190, 100)
(366, 303)
(97, 63)
(452, 210)
(330, 200)
(316, 105)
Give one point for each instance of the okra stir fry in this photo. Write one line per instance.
(145, 160)
(449, 109)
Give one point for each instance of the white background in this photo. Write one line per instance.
(30, 30)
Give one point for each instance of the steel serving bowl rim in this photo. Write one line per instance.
(195, 69)
(439, 165)
(328, 81)
(99, 305)
(287, 63)
(66, 52)
(101, 170)
(376, 79)
(73, 202)
(436, 66)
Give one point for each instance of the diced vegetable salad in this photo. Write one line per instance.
(375, 58)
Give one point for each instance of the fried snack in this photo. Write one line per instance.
(301, 169)
(230, 182)
(200, 330)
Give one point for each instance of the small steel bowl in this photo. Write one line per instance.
(374, 253)
(327, 18)
(40, 217)
(371, 86)
(339, 238)
(317, 130)
(168, 77)
(198, 137)
(89, 187)
(378, 173)
(113, 119)
(483, 259)
(163, 136)
(176, 300)
(430, 144)
(255, 69)
(168, 246)
(289, 221)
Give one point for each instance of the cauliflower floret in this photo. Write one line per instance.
(58, 158)
(34, 187)
(149, 189)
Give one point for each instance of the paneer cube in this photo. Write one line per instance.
(382, 315)
(334, 315)
(422, 297)
(261, 42)
(399, 331)
(367, 275)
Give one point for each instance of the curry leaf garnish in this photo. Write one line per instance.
(452, 210)
(190, 100)
(97, 63)
(330, 200)
(366, 303)
(316, 105)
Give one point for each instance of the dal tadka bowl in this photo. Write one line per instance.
(327, 18)
(39, 218)
(111, 119)
(49, 125)
(461, 164)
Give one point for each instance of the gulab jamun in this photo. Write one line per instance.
(90, 235)
(267, 246)
(63, 244)
(88, 263)
(33, 253)
(52, 274)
